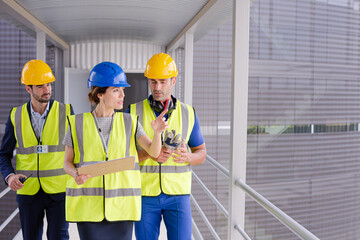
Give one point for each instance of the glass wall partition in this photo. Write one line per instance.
(303, 116)
(211, 100)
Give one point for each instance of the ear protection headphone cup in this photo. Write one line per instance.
(159, 106)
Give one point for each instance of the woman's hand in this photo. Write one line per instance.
(159, 124)
(81, 179)
(70, 168)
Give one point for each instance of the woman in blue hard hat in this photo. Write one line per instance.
(105, 207)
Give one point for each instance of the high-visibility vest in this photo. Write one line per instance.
(44, 160)
(170, 177)
(115, 196)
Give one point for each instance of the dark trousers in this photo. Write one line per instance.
(32, 209)
(105, 230)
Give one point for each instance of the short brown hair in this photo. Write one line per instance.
(93, 94)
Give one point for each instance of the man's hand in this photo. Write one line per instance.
(14, 182)
(181, 155)
(165, 153)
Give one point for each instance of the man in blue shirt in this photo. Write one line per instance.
(166, 180)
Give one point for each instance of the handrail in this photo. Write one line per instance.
(203, 216)
(242, 232)
(196, 234)
(212, 197)
(4, 192)
(218, 166)
(287, 221)
(6, 222)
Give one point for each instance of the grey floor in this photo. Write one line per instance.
(75, 236)
(74, 233)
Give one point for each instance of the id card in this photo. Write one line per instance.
(42, 149)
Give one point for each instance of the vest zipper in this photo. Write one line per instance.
(38, 166)
(161, 191)
(104, 188)
(104, 195)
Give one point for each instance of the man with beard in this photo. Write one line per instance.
(36, 130)
(166, 180)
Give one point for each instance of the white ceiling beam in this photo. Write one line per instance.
(207, 12)
(23, 16)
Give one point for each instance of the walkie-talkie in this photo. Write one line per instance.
(23, 179)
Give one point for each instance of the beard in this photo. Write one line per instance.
(157, 97)
(43, 98)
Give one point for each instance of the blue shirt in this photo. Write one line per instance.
(38, 120)
(196, 138)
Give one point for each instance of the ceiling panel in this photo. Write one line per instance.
(147, 20)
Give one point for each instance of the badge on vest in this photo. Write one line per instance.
(42, 149)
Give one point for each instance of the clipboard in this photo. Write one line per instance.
(111, 166)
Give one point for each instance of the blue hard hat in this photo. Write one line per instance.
(107, 74)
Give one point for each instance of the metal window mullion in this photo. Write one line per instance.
(239, 107)
(189, 62)
(41, 45)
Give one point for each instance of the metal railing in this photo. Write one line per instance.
(12, 215)
(287, 221)
(282, 217)
(205, 219)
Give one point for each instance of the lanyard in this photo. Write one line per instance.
(38, 121)
(105, 144)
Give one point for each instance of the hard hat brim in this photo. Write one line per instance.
(107, 85)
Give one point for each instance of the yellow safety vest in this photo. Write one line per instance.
(170, 177)
(44, 160)
(115, 196)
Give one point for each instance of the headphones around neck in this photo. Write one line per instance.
(159, 106)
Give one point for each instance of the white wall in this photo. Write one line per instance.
(131, 56)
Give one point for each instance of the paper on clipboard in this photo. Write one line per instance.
(111, 166)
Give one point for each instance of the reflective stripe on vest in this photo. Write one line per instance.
(90, 163)
(165, 169)
(47, 166)
(42, 173)
(175, 177)
(51, 148)
(101, 194)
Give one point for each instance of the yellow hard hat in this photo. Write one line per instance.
(161, 66)
(36, 72)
